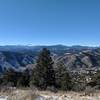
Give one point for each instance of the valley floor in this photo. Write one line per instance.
(26, 94)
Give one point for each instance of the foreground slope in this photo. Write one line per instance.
(27, 94)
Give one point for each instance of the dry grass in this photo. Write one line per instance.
(71, 95)
(19, 94)
(28, 94)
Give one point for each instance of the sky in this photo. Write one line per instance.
(50, 22)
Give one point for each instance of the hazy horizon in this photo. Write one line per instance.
(51, 45)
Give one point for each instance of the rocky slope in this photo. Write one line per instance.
(85, 59)
(15, 60)
(74, 57)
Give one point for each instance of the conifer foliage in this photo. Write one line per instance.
(44, 75)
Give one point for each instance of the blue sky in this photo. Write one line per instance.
(48, 22)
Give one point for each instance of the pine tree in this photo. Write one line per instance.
(10, 76)
(63, 79)
(24, 79)
(44, 74)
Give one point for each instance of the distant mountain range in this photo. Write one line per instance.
(74, 57)
(19, 48)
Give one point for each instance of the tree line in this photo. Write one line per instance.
(45, 76)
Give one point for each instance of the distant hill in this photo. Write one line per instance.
(74, 57)
(83, 60)
(53, 48)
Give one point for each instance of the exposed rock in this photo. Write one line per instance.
(75, 58)
(89, 59)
